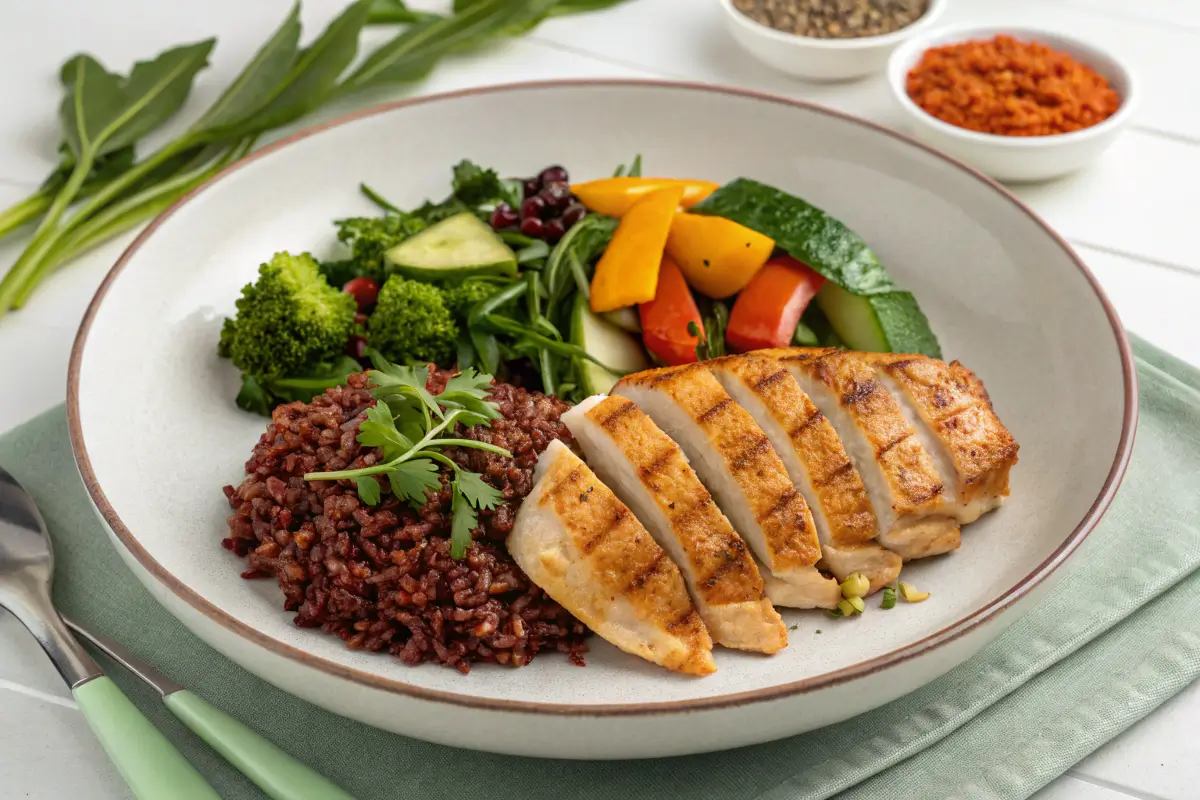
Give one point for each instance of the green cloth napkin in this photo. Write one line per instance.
(1119, 635)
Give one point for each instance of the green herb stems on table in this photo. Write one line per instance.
(99, 189)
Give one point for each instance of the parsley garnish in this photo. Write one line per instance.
(407, 424)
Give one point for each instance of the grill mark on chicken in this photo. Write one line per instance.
(718, 573)
(859, 392)
(688, 619)
(614, 522)
(614, 418)
(927, 495)
(835, 474)
(760, 445)
(562, 485)
(813, 419)
(656, 466)
(882, 451)
(770, 379)
(647, 572)
(782, 502)
(714, 411)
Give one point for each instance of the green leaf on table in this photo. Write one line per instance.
(464, 520)
(102, 112)
(255, 85)
(412, 53)
(379, 430)
(368, 490)
(311, 79)
(413, 480)
(473, 489)
(395, 12)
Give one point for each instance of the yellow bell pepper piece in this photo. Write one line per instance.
(628, 271)
(615, 196)
(718, 256)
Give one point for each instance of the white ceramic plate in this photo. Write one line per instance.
(156, 433)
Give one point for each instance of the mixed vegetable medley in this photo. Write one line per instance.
(564, 287)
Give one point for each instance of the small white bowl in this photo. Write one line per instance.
(822, 59)
(1015, 158)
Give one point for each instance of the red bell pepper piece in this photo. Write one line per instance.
(665, 318)
(767, 310)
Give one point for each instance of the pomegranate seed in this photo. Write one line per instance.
(504, 216)
(555, 229)
(365, 291)
(532, 185)
(556, 195)
(533, 207)
(555, 174)
(574, 213)
(356, 348)
(532, 226)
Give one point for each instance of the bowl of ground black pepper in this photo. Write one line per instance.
(1018, 104)
(827, 40)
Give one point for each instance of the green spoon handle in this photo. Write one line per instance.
(279, 775)
(149, 763)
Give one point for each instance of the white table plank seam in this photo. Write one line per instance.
(29, 691)
(1103, 784)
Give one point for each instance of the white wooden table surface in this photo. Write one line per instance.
(1134, 217)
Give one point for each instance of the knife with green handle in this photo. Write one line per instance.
(279, 775)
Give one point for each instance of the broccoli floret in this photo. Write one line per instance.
(461, 297)
(368, 239)
(287, 320)
(412, 324)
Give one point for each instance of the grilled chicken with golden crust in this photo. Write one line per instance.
(902, 482)
(735, 460)
(585, 549)
(956, 424)
(650, 474)
(816, 462)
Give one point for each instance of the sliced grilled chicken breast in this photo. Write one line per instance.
(649, 472)
(904, 486)
(956, 424)
(735, 460)
(584, 547)
(816, 462)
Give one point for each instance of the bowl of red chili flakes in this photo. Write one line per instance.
(1018, 104)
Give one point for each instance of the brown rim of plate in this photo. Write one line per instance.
(277, 648)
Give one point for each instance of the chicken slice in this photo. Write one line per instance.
(816, 462)
(583, 546)
(649, 472)
(901, 480)
(955, 422)
(735, 460)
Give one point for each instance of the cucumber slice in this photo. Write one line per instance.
(879, 323)
(456, 247)
(615, 347)
(626, 319)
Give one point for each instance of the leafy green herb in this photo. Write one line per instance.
(104, 115)
(411, 426)
(634, 170)
(793, 627)
(712, 338)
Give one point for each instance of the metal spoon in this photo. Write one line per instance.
(147, 761)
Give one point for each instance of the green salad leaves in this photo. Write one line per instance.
(411, 426)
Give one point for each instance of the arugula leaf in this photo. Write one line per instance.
(311, 80)
(255, 85)
(395, 12)
(102, 113)
(368, 490)
(473, 489)
(463, 522)
(379, 430)
(413, 480)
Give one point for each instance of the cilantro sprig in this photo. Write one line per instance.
(410, 425)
